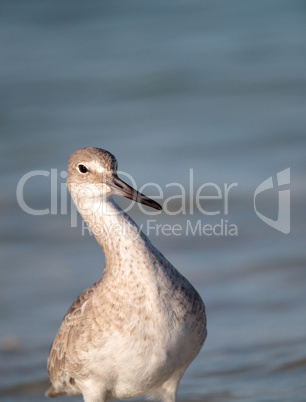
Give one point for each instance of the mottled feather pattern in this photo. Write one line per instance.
(62, 352)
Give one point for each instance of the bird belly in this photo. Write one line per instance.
(133, 365)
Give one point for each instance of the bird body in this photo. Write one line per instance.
(136, 330)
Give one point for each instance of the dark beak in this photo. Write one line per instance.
(119, 187)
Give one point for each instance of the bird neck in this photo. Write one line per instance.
(119, 236)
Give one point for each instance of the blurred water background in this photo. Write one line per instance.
(167, 86)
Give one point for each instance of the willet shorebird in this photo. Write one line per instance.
(137, 329)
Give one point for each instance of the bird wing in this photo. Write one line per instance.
(61, 361)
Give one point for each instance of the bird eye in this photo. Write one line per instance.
(82, 169)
